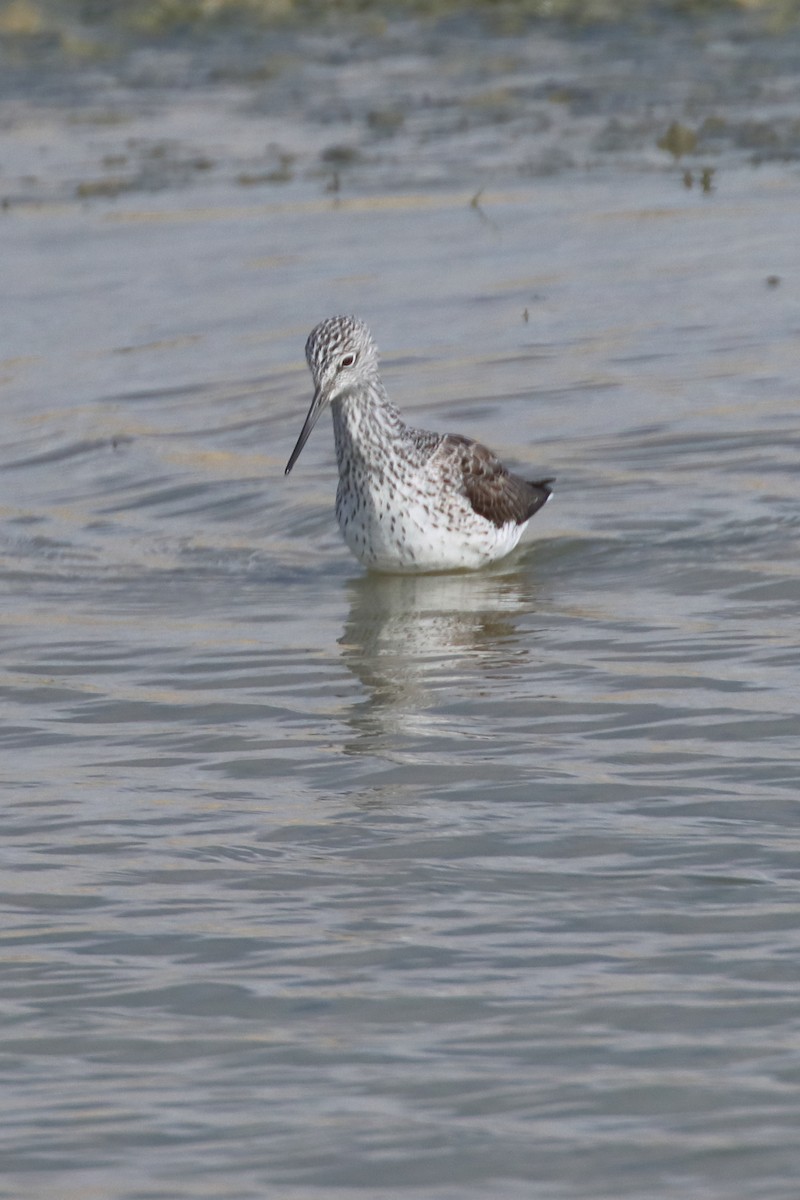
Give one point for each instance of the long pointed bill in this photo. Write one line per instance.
(317, 405)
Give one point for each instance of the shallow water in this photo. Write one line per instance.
(319, 883)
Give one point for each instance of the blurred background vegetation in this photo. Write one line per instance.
(80, 25)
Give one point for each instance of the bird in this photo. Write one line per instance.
(408, 501)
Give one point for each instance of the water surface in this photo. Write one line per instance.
(319, 883)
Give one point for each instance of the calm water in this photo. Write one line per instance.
(319, 884)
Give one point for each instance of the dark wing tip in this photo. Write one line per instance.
(540, 493)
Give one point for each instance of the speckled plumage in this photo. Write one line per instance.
(407, 500)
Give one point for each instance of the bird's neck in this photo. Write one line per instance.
(365, 424)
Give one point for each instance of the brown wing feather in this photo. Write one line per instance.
(494, 492)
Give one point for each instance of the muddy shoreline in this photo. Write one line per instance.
(392, 105)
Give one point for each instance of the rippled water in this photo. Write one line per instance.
(318, 883)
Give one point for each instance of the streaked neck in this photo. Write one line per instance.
(365, 423)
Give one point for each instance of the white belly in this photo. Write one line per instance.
(401, 532)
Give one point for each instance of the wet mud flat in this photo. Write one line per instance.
(383, 102)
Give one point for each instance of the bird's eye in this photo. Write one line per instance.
(347, 361)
